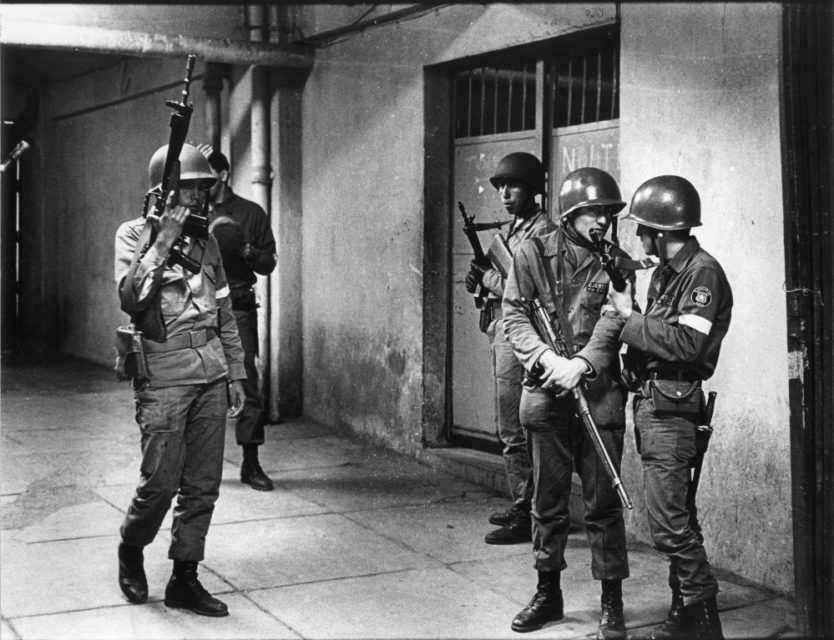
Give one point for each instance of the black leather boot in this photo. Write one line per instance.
(184, 591)
(674, 627)
(705, 620)
(546, 605)
(132, 579)
(611, 622)
(503, 518)
(251, 472)
(519, 529)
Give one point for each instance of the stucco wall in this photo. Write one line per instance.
(363, 205)
(700, 98)
(101, 131)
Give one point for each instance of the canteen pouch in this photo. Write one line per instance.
(677, 397)
(130, 355)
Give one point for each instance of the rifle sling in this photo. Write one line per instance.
(556, 289)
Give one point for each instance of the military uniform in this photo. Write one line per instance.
(508, 372)
(558, 441)
(687, 316)
(181, 407)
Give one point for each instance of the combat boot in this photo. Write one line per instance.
(674, 627)
(545, 606)
(612, 621)
(503, 518)
(705, 620)
(251, 472)
(519, 529)
(184, 591)
(132, 579)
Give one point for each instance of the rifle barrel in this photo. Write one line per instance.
(549, 334)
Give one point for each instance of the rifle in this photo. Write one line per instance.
(614, 266)
(196, 224)
(499, 254)
(470, 229)
(702, 436)
(554, 340)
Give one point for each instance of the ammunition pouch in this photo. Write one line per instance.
(130, 355)
(676, 397)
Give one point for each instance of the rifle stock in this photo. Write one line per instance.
(554, 340)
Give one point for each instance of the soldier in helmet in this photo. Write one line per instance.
(519, 178)
(677, 341)
(562, 271)
(184, 334)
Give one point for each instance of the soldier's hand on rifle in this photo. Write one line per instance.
(171, 222)
(473, 279)
(622, 301)
(553, 367)
(475, 276)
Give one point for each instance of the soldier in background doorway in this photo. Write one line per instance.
(519, 178)
(677, 342)
(247, 245)
(561, 270)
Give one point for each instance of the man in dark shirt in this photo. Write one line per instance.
(247, 245)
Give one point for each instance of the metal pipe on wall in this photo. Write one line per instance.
(213, 87)
(256, 23)
(134, 43)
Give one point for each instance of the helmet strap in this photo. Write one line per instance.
(660, 247)
(614, 238)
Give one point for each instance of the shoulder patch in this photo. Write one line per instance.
(701, 296)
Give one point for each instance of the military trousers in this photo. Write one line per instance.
(508, 373)
(249, 425)
(667, 450)
(182, 431)
(558, 445)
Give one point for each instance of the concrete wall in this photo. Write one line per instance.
(94, 176)
(363, 205)
(700, 98)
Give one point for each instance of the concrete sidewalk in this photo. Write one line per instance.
(355, 542)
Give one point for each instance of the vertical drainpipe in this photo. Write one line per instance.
(256, 22)
(213, 87)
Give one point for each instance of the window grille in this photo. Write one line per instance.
(585, 82)
(493, 99)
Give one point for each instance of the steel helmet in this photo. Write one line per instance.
(589, 187)
(521, 166)
(193, 166)
(667, 203)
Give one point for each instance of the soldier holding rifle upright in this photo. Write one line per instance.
(673, 346)
(561, 271)
(519, 177)
(184, 358)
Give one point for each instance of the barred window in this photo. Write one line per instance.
(585, 82)
(493, 99)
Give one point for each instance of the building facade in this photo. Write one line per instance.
(359, 128)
